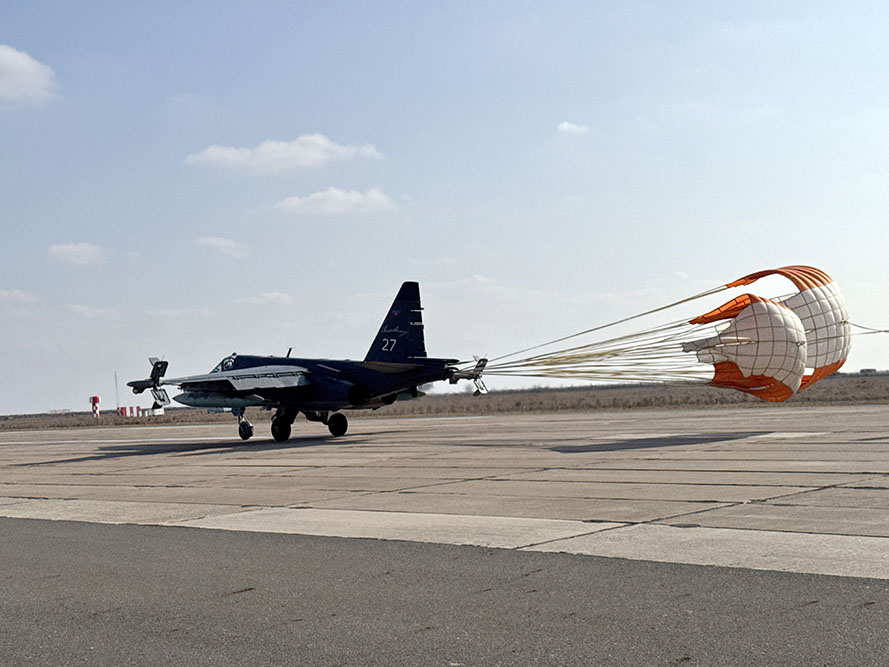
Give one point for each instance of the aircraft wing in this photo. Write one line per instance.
(247, 379)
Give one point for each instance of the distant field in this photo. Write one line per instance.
(837, 389)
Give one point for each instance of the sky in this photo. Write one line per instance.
(185, 180)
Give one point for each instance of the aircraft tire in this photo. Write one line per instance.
(337, 424)
(280, 430)
(245, 430)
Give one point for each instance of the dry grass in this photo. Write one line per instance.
(835, 390)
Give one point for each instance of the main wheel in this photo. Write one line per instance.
(245, 430)
(280, 429)
(337, 424)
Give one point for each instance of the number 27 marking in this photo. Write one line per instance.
(389, 344)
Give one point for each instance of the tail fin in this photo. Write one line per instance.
(400, 338)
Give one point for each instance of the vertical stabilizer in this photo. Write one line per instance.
(400, 338)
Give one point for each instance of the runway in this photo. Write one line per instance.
(698, 537)
(793, 489)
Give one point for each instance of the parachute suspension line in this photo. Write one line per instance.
(656, 354)
(611, 324)
(616, 345)
(867, 330)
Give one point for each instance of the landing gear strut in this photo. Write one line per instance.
(245, 428)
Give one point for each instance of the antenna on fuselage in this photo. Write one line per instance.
(289, 350)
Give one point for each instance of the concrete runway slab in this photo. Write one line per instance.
(627, 490)
(796, 489)
(754, 549)
(95, 511)
(483, 531)
(578, 509)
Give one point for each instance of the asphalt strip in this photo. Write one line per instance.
(837, 555)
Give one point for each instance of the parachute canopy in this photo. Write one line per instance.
(760, 351)
(822, 310)
(767, 347)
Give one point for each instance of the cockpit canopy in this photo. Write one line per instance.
(226, 364)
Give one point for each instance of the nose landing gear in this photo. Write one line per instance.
(245, 428)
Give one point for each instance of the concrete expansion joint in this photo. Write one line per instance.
(17, 501)
(786, 496)
(448, 482)
(777, 531)
(534, 545)
(659, 520)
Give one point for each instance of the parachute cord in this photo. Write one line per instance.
(867, 330)
(611, 324)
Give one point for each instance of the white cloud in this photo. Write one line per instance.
(572, 128)
(16, 296)
(227, 247)
(267, 298)
(23, 79)
(334, 201)
(308, 150)
(78, 254)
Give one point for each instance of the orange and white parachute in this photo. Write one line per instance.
(761, 350)
(767, 347)
(822, 309)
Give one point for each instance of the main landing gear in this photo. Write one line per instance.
(282, 423)
(337, 423)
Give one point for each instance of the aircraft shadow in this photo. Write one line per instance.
(657, 441)
(194, 449)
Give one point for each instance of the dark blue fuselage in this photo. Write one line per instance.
(335, 384)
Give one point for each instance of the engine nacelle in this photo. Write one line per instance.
(358, 395)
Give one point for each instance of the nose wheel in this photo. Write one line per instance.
(245, 428)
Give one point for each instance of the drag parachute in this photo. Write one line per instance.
(766, 347)
(822, 309)
(761, 350)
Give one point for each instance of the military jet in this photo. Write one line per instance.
(395, 367)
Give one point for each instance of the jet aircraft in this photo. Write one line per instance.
(395, 366)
